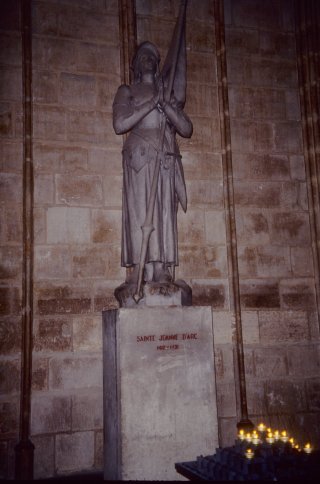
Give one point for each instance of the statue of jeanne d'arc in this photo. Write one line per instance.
(151, 110)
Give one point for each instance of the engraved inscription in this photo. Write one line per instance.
(168, 338)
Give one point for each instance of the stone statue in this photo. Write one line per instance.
(152, 116)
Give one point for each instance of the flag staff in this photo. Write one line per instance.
(147, 226)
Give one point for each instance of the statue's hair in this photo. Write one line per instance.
(144, 46)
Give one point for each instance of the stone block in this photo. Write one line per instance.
(68, 225)
(49, 123)
(269, 167)
(104, 294)
(285, 397)
(88, 24)
(93, 127)
(9, 417)
(293, 105)
(228, 431)
(74, 452)
(106, 226)
(250, 13)
(45, 86)
(10, 334)
(99, 261)
(52, 262)
(47, 158)
(10, 48)
(250, 327)
(277, 44)
(80, 190)
(270, 362)
(264, 136)
(243, 134)
(75, 161)
(87, 334)
(224, 364)
(253, 194)
(43, 456)
(39, 225)
(98, 450)
(202, 166)
(4, 460)
(256, 398)
(205, 193)
(105, 93)
(5, 305)
(236, 69)
(9, 376)
(61, 304)
(10, 187)
(271, 72)
(104, 161)
(6, 120)
(87, 411)
(201, 67)
(191, 227)
(12, 224)
(39, 374)
(46, 19)
(112, 190)
(75, 372)
(97, 59)
(77, 90)
(202, 262)
(43, 189)
(206, 135)
(304, 360)
(11, 260)
(242, 42)
(313, 394)
(252, 227)
(290, 228)
(11, 83)
(215, 227)
(156, 413)
(202, 100)
(288, 137)
(54, 52)
(50, 414)
(283, 326)
(223, 327)
(11, 156)
(226, 399)
(206, 292)
(298, 294)
(297, 167)
(264, 261)
(10, 18)
(53, 334)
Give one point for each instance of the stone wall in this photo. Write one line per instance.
(277, 283)
(77, 217)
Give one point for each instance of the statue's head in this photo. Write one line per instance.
(145, 47)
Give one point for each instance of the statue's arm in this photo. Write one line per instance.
(178, 118)
(125, 114)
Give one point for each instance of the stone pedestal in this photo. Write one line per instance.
(159, 390)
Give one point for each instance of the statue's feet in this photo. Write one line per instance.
(161, 273)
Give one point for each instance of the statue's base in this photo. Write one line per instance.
(159, 390)
(176, 293)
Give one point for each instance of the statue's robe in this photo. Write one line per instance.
(139, 158)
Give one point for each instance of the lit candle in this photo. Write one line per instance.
(307, 448)
(255, 438)
(248, 437)
(284, 436)
(241, 434)
(261, 427)
(249, 454)
(276, 434)
(270, 438)
(291, 441)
